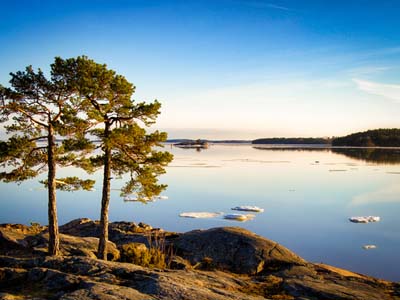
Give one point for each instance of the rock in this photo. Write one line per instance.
(105, 292)
(258, 269)
(6, 296)
(178, 263)
(319, 281)
(83, 227)
(118, 232)
(236, 250)
(82, 246)
(84, 278)
(127, 227)
(321, 289)
(33, 229)
(12, 275)
(145, 226)
(298, 272)
(12, 239)
(16, 240)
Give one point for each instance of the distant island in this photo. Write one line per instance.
(291, 141)
(370, 138)
(183, 141)
(192, 144)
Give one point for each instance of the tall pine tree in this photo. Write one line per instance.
(35, 111)
(118, 122)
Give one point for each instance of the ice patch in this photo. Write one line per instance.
(239, 217)
(248, 208)
(368, 219)
(368, 247)
(134, 198)
(200, 215)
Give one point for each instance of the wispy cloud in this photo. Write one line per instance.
(262, 4)
(389, 91)
(368, 70)
(270, 5)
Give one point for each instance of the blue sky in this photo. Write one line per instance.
(228, 68)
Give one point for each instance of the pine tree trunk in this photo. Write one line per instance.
(54, 242)
(105, 198)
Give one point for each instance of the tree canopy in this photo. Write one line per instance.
(371, 138)
(35, 111)
(82, 101)
(118, 122)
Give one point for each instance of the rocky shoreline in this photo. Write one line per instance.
(147, 263)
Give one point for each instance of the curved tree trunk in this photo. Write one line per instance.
(54, 242)
(105, 198)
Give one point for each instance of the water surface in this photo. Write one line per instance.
(308, 196)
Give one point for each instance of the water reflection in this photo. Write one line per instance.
(386, 194)
(374, 155)
(384, 156)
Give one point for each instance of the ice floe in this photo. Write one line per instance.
(369, 247)
(239, 217)
(365, 219)
(134, 198)
(248, 208)
(198, 215)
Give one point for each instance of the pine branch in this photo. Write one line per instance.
(59, 104)
(31, 118)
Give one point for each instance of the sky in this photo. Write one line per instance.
(228, 69)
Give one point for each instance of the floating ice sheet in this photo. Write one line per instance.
(239, 217)
(365, 219)
(248, 208)
(369, 247)
(200, 215)
(134, 198)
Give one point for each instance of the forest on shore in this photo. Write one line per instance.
(385, 137)
(370, 138)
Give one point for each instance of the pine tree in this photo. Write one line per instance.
(35, 111)
(118, 123)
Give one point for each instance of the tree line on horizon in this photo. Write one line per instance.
(288, 141)
(50, 123)
(384, 137)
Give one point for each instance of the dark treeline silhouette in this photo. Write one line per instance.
(288, 141)
(370, 138)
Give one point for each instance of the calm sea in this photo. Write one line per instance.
(307, 194)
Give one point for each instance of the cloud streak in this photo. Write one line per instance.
(261, 4)
(271, 5)
(389, 91)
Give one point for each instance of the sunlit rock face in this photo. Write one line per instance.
(235, 249)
